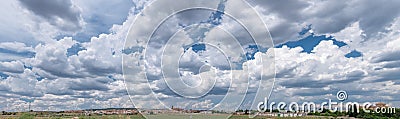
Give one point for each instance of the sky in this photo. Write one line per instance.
(74, 54)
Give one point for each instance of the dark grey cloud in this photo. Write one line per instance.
(83, 94)
(60, 92)
(99, 70)
(28, 93)
(376, 15)
(387, 75)
(395, 64)
(54, 10)
(214, 91)
(309, 82)
(89, 84)
(288, 9)
(290, 14)
(387, 57)
(328, 16)
(6, 94)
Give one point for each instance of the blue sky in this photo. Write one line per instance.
(67, 54)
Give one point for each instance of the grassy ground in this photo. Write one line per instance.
(188, 116)
(158, 116)
(71, 117)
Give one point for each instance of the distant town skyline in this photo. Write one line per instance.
(73, 54)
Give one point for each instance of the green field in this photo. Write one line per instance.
(28, 116)
(188, 116)
(158, 116)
